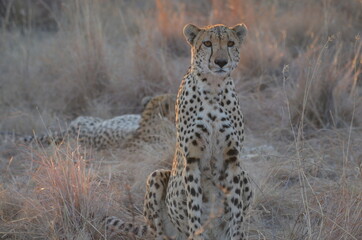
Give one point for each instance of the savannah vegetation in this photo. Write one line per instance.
(300, 88)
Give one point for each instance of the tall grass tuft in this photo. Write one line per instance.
(325, 93)
(65, 199)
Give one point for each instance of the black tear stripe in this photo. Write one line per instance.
(212, 52)
(228, 49)
(198, 50)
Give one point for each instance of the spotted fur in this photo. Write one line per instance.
(91, 131)
(122, 131)
(160, 110)
(207, 192)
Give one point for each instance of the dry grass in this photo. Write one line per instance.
(299, 82)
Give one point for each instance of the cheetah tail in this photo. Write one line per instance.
(45, 139)
(116, 226)
(9, 136)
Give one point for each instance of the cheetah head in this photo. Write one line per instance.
(160, 106)
(215, 49)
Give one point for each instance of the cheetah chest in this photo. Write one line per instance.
(215, 126)
(208, 127)
(218, 131)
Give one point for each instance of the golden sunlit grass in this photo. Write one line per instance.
(299, 84)
(63, 199)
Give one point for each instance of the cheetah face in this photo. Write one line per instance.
(166, 106)
(161, 106)
(215, 49)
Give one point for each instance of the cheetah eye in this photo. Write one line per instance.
(231, 43)
(207, 43)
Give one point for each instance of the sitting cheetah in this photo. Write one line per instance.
(124, 130)
(207, 192)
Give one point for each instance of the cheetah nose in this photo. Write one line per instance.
(221, 62)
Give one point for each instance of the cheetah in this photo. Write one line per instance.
(158, 117)
(91, 131)
(122, 131)
(207, 192)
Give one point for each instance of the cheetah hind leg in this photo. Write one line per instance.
(154, 201)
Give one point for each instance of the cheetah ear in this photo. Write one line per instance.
(190, 32)
(145, 101)
(241, 31)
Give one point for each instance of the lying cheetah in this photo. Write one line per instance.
(121, 131)
(159, 113)
(207, 192)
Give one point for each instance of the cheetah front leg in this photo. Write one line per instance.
(192, 179)
(238, 191)
(154, 200)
